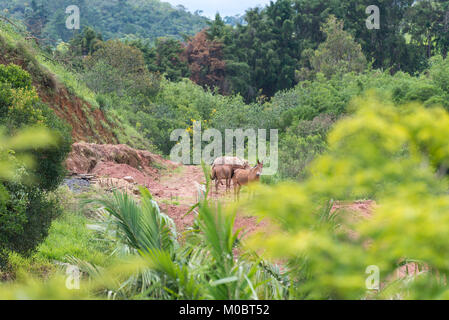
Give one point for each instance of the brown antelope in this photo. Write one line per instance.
(243, 177)
(220, 172)
(224, 167)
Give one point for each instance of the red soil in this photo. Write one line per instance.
(88, 124)
(116, 161)
(363, 208)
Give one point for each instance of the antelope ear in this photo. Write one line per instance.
(258, 162)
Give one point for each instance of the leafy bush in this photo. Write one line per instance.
(27, 218)
(339, 53)
(15, 76)
(439, 72)
(18, 201)
(116, 67)
(302, 142)
(324, 97)
(382, 152)
(26, 210)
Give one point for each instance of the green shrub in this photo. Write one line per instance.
(422, 92)
(302, 142)
(15, 76)
(439, 72)
(118, 68)
(382, 152)
(26, 211)
(27, 218)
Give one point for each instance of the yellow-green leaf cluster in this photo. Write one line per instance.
(396, 156)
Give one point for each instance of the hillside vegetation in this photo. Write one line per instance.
(361, 115)
(147, 19)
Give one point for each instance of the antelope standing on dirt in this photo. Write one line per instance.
(220, 172)
(224, 168)
(243, 177)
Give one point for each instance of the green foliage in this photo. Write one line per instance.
(427, 27)
(339, 53)
(168, 59)
(257, 55)
(15, 151)
(26, 210)
(69, 236)
(14, 48)
(439, 73)
(330, 99)
(270, 51)
(32, 289)
(144, 228)
(86, 43)
(263, 54)
(27, 218)
(15, 76)
(148, 19)
(174, 107)
(116, 67)
(302, 142)
(382, 151)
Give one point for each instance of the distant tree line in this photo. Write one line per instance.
(266, 50)
(113, 18)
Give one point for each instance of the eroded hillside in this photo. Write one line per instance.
(88, 123)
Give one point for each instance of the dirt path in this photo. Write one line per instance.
(119, 167)
(178, 185)
(176, 193)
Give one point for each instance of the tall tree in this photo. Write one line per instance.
(386, 47)
(36, 17)
(169, 58)
(87, 42)
(428, 26)
(339, 53)
(119, 68)
(205, 58)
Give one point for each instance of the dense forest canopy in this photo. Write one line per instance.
(277, 40)
(113, 18)
(256, 54)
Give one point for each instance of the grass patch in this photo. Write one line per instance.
(70, 81)
(69, 236)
